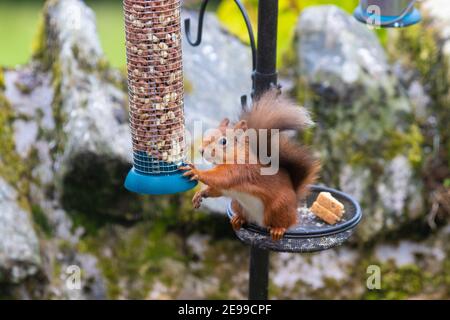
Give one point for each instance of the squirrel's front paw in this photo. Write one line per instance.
(197, 199)
(191, 171)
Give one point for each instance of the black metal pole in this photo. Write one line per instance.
(266, 56)
(259, 274)
(265, 76)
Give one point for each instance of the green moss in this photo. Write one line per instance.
(446, 275)
(408, 143)
(447, 183)
(398, 283)
(38, 44)
(401, 282)
(11, 165)
(91, 223)
(24, 89)
(94, 195)
(103, 64)
(420, 48)
(40, 219)
(420, 44)
(382, 34)
(119, 80)
(414, 142)
(394, 142)
(58, 114)
(223, 260)
(307, 137)
(135, 257)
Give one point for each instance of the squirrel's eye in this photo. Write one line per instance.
(223, 141)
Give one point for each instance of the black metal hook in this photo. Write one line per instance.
(187, 26)
(248, 24)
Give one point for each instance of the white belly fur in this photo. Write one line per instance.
(253, 206)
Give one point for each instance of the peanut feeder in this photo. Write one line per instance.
(155, 85)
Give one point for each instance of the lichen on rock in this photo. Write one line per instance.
(423, 54)
(19, 245)
(89, 110)
(365, 128)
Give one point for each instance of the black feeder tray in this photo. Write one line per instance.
(311, 234)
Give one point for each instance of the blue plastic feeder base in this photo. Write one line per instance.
(157, 184)
(411, 18)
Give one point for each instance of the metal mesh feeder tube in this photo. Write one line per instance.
(155, 89)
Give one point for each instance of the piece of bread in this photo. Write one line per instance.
(324, 214)
(326, 200)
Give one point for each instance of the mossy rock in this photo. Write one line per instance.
(424, 50)
(94, 185)
(366, 135)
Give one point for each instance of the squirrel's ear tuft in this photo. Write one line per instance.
(224, 123)
(241, 125)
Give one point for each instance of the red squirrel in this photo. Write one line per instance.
(269, 201)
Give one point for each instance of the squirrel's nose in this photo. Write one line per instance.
(201, 150)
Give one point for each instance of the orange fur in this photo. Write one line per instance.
(279, 193)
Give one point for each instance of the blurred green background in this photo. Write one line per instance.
(19, 21)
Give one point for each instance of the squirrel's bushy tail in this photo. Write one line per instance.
(298, 161)
(273, 111)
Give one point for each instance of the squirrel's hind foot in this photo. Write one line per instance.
(237, 222)
(197, 199)
(277, 233)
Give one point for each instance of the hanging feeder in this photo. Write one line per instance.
(388, 13)
(155, 86)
